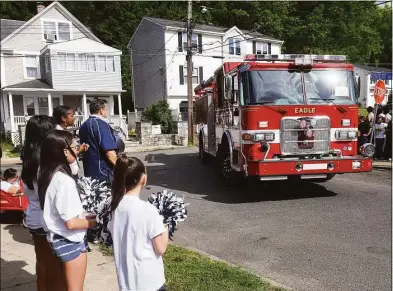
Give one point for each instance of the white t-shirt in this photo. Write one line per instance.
(133, 225)
(58, 127)
(380, 130)
(5, 185)
(33, 219)
(62, 203)
(371, 117)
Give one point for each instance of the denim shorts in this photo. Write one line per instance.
(67, 250)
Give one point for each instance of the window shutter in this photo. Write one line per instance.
(180, 41)
(200, 74)
(200, 43)
(181, 75)
(269, 48)
(254, 47)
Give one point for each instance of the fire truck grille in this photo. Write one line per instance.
(305, 135)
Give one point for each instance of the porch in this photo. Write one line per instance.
(19, 105)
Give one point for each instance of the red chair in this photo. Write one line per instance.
(13, 203)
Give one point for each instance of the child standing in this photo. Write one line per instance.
(379, 137)
(138, 232)
(62, 207)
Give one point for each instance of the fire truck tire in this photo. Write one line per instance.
(227, 175)
(202, 154)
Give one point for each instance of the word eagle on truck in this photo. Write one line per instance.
(280, 117)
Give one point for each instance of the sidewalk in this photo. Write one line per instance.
(18, 263)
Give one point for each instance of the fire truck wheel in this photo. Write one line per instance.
(227, 175)
(202, 154)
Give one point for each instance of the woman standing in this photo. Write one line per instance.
(48, 268)
(62, 208)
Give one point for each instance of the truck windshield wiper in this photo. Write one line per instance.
(339, 108)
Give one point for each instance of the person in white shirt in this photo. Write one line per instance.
(64, 218)
(379, 137)
(139, 235)
(10, 183)
(48, 268)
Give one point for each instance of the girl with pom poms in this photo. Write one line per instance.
(139, 235)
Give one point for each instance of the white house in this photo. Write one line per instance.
(368, 76)
(53, 59)
(158, 57)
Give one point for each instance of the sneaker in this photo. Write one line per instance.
(96, 241)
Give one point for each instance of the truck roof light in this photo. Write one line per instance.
(300, 57)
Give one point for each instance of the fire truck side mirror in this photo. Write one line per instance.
(357, 81)
(228, 88)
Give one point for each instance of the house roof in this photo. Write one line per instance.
(8, 26)
(85, 45)
(213, 28)
(64, 11)
(371, 69)
(32, 84)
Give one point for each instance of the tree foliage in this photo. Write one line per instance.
(160, 113)
(361, 30)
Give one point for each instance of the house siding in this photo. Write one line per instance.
(84, 80)
(30, 38)
(148, 82)
(14, 69)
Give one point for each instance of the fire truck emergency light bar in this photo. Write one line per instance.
(299, 59)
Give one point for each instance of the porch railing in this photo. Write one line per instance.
(21, 120)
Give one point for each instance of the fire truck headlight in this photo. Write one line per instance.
(263, 136)
(368, 150)
(345, 134)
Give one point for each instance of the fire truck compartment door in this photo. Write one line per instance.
(211, 129)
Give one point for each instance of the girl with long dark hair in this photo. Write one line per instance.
(138, 232)
(48, 268)
(62, 208)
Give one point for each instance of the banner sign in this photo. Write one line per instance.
(375, 76)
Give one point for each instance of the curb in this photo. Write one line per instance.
(152, 149)
(272, 283)
(11, 161)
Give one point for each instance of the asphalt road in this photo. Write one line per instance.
(331, 236)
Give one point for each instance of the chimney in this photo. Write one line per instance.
(40, 7)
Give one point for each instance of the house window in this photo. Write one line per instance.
(64, 31)
(261, 48)
(57, 30)
(71, 62)
(110, 64)
(55, 102)
(195, 75)
(30, 106)
(234, 46)
(61, 61)
(101, 63)
(31, 65)
(82, 60)
(43, 106)
(372, 81)
(91, 62)
(50, 30)
(194, 42)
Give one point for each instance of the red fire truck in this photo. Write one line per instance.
(280, 117)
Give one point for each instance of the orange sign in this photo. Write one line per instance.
(379, 92)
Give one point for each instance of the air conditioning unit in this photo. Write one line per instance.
(50, 37)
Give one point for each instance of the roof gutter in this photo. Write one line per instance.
(59, 90)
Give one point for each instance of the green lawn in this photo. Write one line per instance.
(187, 270)
(9, 151)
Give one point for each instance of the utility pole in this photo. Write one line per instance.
(189, 75)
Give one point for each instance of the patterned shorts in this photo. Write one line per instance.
(67, 250)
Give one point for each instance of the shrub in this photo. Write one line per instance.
(159, 113)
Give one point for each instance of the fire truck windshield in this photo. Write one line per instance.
(329, 86)
(285, 87)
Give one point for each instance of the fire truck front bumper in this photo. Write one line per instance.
(308, 169)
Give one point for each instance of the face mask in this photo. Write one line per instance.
(74, 167)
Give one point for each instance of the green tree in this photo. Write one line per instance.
(160, 113)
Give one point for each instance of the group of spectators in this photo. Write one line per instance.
(377, 129)
(55, 217)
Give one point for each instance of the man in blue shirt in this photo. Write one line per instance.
(99, 160)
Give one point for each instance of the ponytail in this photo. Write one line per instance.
(126, 176)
